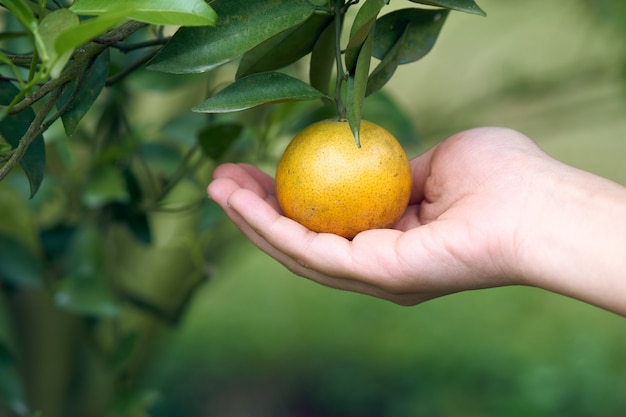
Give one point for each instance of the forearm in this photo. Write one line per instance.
(577, 244)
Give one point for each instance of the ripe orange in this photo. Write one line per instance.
(328, 184)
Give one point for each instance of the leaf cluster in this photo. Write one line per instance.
(265, 36)
(61, 70)
(60, 266)
(60, 59)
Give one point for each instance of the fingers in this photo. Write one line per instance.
(366, 265)
(286, 241)
(229, 177)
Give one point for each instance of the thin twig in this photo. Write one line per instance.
(140, 45)
(341, 110)
(35, 129)
(130, 69)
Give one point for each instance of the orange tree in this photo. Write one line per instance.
(84, 270)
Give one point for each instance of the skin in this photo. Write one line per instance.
(488, 208)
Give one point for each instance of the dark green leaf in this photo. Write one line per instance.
(419, 27)
(156, 12)
(89, 87)
(241, 25)
(468, 6)
(13, 127)
(361, 28)
(256, 90)
(323, 60)
(11, 388)
(84, 289)
(357, 85)
(55, 240)
(285, 48)
(385, 69)
(135, 219)
(18, 265)
(216, 139)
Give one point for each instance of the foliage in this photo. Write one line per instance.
(301, 28)
(113, 240)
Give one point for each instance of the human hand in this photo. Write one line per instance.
(481, 200)
(457, 232)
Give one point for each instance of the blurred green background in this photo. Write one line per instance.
(259, 341)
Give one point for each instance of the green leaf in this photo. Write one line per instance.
(216, 139)
(357, 85)
(22, 11)
(49, 28)
(468, 6)
(419, 27)
(13, 127)
(84, 289)
(89, 29)
(386, 68)
(89, 86)
(18, 265)
(256, 90)
(323, 60)
(242, 24)
(285, 48)
(361, 28)
(156, 12)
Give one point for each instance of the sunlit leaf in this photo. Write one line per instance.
(89, 86)
(420, 29)
(256, 90)
(13, 127)
(89, 29)
(49, 28)
(284, 48)
(356, 87)
(156, 12)
(18, 265)
(241, 25)
(468, 6)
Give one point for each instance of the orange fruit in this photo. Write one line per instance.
(328, 184)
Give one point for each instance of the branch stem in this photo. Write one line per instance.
(339, 12)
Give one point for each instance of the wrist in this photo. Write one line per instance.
(574, 239)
